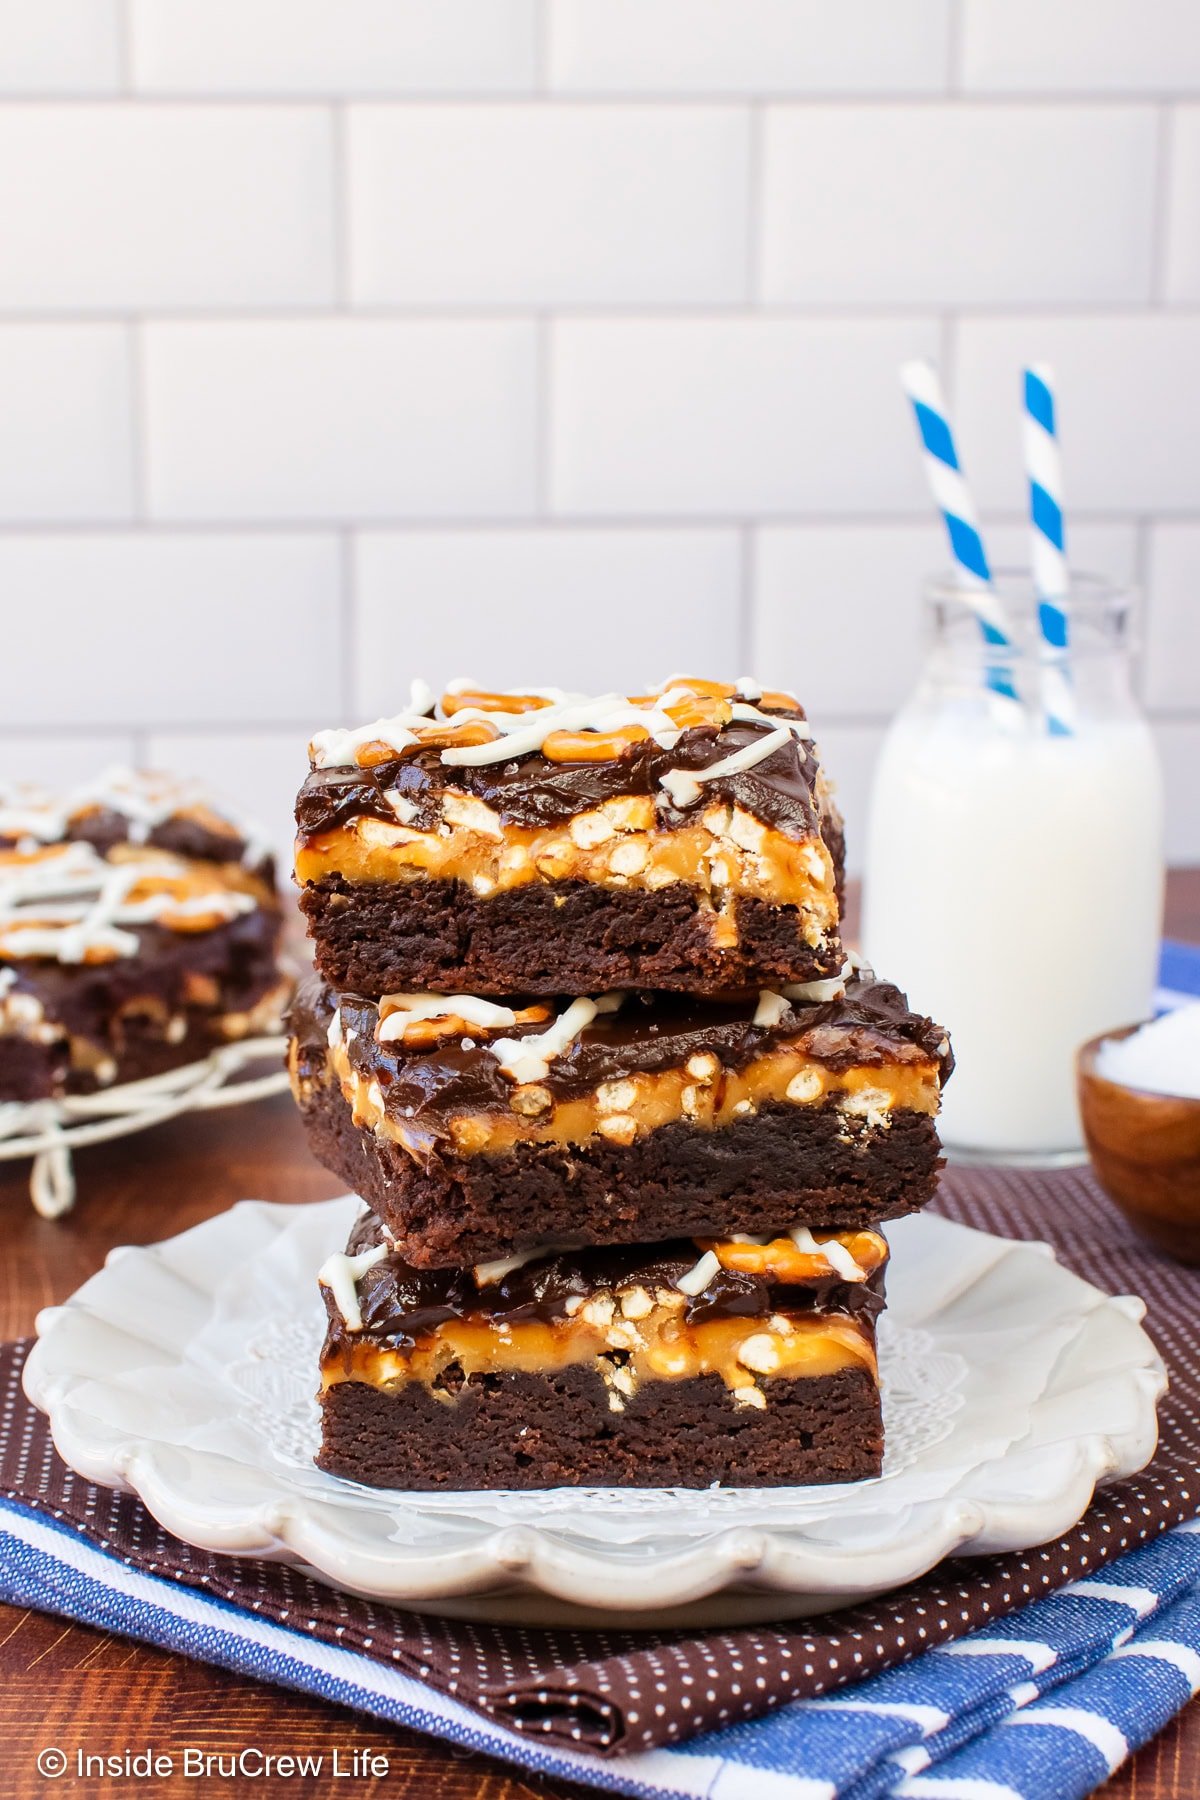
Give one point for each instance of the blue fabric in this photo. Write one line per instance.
(1179, 970)
(1092, 1673)
(1040, 1705)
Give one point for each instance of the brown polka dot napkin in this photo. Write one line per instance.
(618, 1690)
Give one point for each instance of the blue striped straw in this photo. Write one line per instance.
(953, 499)
(1051, 575)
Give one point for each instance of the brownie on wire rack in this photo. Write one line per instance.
(139, 929)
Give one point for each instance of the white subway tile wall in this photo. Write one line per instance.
(347, 339)
(105, 208)
(67, 405)
(745, 417)
(60, 47)
(533, 205)
(995, 205)
(650, 602)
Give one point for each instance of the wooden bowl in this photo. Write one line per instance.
(1145, 1149)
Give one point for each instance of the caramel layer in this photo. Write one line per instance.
(705, 1093)
(656, 1345)
(726, 853)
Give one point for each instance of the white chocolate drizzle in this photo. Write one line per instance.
(684, 785)
(404, 808)
(522, 734)
(745, 714)
(699, 1275)
(468, 684)
(68, 904)
(820, 992)
(488, 1273)
(337, 749)
(144, 799)
(529, 1058)
(403, 1009)
(771, 1008)
(834, 1252)
(525, 733)
(341, 1275)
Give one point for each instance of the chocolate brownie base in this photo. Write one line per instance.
(790, 1165)
(548, 938)
(172, 1003)
(29, 1070)
(518, 1430)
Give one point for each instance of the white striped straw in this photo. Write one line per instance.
(953, 499)
(1051, 576)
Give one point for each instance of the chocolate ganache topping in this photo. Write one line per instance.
(870, 1025)
(400, 1304)
(179, 834)
(533, 792)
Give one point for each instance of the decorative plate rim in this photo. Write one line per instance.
(1055, 1478)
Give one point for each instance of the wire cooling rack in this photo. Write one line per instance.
(49, 1131)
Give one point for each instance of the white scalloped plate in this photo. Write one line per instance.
(184, 1372)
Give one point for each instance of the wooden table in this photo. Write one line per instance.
(67, 1685)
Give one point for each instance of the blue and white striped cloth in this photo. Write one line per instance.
(1041, 1705)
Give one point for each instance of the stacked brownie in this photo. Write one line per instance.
(139, 930)
(626, 1117)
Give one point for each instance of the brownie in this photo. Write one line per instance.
(471, 1139)
(669, 1365)
(133, 938)
(132, 806)
(549, 843)
(563, 937)
(520, 1430)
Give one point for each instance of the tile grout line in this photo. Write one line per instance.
(542, 49)
(543, 418)
(289, 729)
(756, 175)
(348, 620)
(1160, 216)
(139, 427)
(147, 728)
(848, 311)
(124, 28)
(668, 524)
(955, 51)
(948, 354)
(748, 608)
(340, 199)
(876, 99)
(1141, 576)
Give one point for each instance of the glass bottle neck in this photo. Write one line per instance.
(1023, 662)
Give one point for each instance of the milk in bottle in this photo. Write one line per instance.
(1013, 881)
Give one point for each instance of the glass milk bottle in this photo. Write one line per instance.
(1014, 873)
